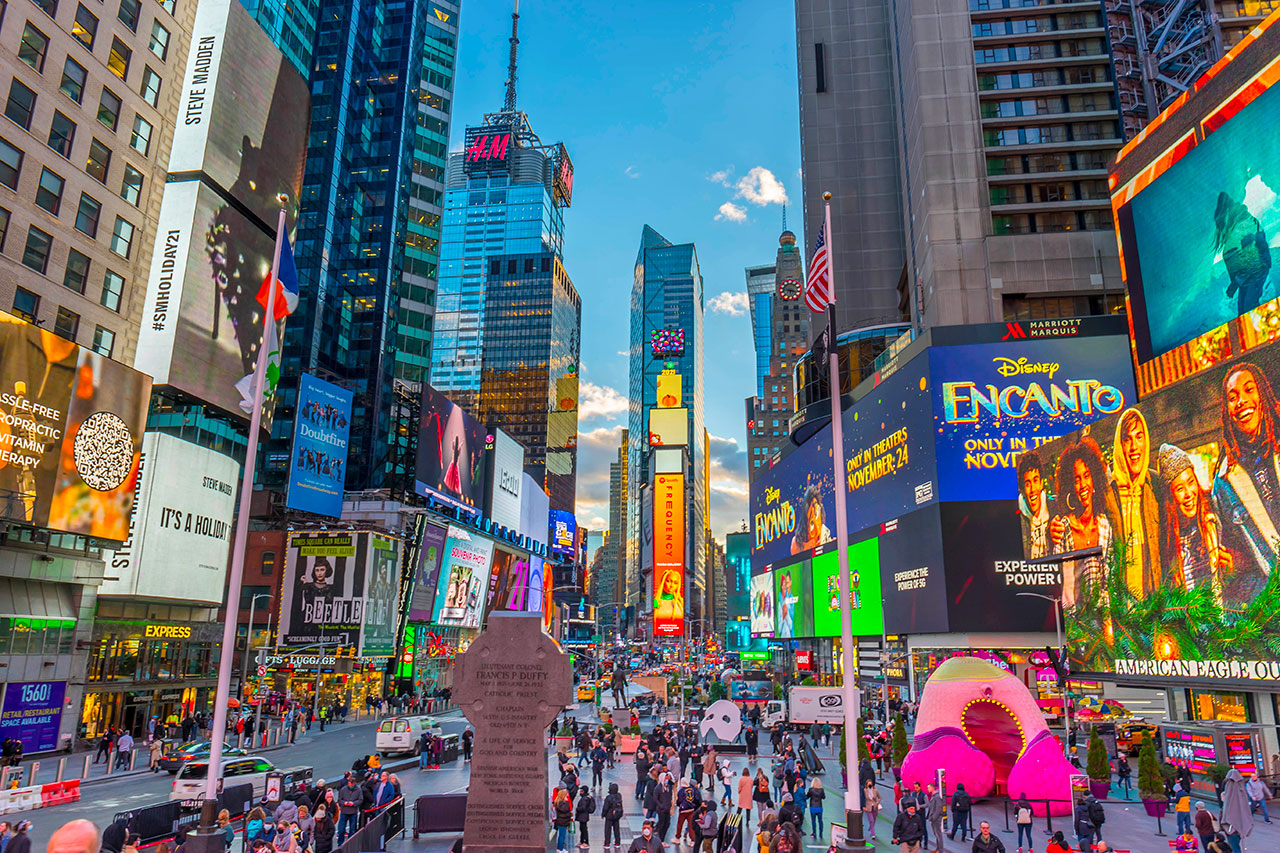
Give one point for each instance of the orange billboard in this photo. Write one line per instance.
(668, 555)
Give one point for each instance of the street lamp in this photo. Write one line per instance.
(1066, 700)
(248, 643)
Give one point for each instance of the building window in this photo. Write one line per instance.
(62, 132)
(159, 44)
(87, 216)
(109, 109)
(21, 104)
(99, 161)
(85, 27)
(36, 254)
(131, 185)
(118, 60)
(170, 6)
(140, 141)
(67, 323)
(33, 47)
(820, 64)
(73, 78)
(150, 90)
(76, 276)
(129, 12)
(49, 7)
(268, 563)
(4, 226)
(112, 287)
(49, 192)
(104, 341)
(122, 237)
(26, 304)
(10, 164)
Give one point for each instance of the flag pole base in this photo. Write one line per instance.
(853, 840)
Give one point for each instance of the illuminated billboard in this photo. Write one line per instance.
(763, 615)
(792, 597)
(71, 424)
(668, 555)
(430, 550)
(505, 463)
(667, 343)
(866, 615)
(450, 464)
(562, 184)
(1197, 219)
(180, 531)
(321, 428)
(564, 532)
(669, 390)
(1173, 510)
(488, 148)
(238, 148)
(461, 591)
(668, 427)
(341, 587)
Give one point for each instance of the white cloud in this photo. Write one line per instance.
(729, 485)
(733, 303)
(624, 352)
(631, 172)
(759, 186)
(721, 177)
(732, 212)
(596, 449)
(599, 401)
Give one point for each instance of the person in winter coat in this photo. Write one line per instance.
(283, 841)
(791, 813)
(687, 799)
(752, 738)
(960, 805)
(985, 842)
(646, 842)
(761, 792)
(582, 813)
(287, 811)
(1124, 774)
(709, 769)
(1097, 816)
(350, 802)
(643, 763)
(706, 825)
(871, 803)
(1204, 824)
(815, 797)
(599, 755)
(611, 811)
(468, 737)
(746, 788)
(650, 802)
(562, 815)
(257, 828)
(114, 837)
(1058, 844)
(1022, 817)
(322, 834)
(157, 752)
(726, 783)
(666, 791)
(1258, 794)
(1084, 827)
(908, 829)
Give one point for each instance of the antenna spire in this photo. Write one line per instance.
(510, 104)
(784, 216)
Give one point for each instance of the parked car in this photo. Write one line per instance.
(196, 750)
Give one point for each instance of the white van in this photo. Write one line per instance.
(403, 734)
(189, 784)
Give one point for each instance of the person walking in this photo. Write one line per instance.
(1022, 817)
(1182, 810)
(752, 738)
(687, 799)
(322, 834)
(124, 749)
(598, 758)
(985, 842)
(709, 763)
(611, 811)
(871, 804)
(1258, 794)
(934, 811)
(1203, 822)
(908, 829)
(917, 796)
(760, 792)
(706, 825)
(562, 814)
(468, 737)
(1097, 815)
(1124, 773)
(746, 789)
(960, 806)
(1083, 826)
(665, 786)
(157, 752)
(815, 797)
(582, 813)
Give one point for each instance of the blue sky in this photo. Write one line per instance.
(680, 115)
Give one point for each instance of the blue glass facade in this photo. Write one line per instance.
(667, 293)
(291, 24)
(367, 242)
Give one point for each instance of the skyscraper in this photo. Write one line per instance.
(508, 318)
(367, 242)
(666, 338)
(613, 569)
(780, 327)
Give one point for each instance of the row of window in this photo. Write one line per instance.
(1076, 75)
(66, 322)
(1037, 223)
(984, 5)
(1046, 24)
(1040, 193)
(1047, 50)
(1090, 102)
(1059, 161)
(1075, 132)
(20, 108)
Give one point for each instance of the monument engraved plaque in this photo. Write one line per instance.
(511, 683)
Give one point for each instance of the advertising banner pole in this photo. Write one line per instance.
(236, 574)
(852, 796)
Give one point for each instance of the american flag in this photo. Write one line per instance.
(817, 287)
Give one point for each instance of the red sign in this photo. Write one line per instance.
(668, 555)
(488, 147)
(804, 660)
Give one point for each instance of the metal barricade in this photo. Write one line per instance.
(387, 823)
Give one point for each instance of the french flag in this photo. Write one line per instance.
(287, 285)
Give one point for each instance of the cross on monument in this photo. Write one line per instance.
(510, 683)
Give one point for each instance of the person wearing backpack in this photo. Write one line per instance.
(707, 825)
(960, 806)
(582, 813)
(687, 799)
(611, 811)
(1084, 827)
(1097, 816)
(1022, 815)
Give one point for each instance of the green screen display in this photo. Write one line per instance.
(866, 613)
(791, 597)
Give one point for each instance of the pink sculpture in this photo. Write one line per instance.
(981, 724)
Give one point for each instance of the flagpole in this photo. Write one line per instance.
(853, 792)
(219, 730)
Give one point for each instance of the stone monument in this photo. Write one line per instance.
(510, 683)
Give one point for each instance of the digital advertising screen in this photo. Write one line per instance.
(1172, 507)
(668, 555)
(180, 531)
(505, 464)
(464, 579)
(992, 402)
(378, 631)
(669, 390)
(889, 464)
(763, 615)
(323, 594)
(866, 614)
(564, 532)
(32, 714)
(431, 539)
(508, 583)
(667, 343)
(450, 464)
(321, 429)
(668, 427)
(913, 586)
(71, 424)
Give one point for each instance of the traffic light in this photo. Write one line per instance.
(344, 660)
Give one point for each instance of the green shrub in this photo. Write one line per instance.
(1150, 779)
(635, 729)
(565, 731)
(1097, 766)
(899, 745)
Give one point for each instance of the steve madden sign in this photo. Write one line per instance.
(1260, 670)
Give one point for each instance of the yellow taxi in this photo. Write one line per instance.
(586, 692)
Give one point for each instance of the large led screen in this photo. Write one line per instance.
(564, 532)
(992, 402)
(378, 631)
(889, 469)
(321, 429)
(913, 586)
(324, 588)
(1171, 510)
(464, 578)
(866, 615)
(668, 427)
(508, 583)
(71, 425)
(450, 466)
(792, 593)
(668, 555)
(422, 597)
(763, 615)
